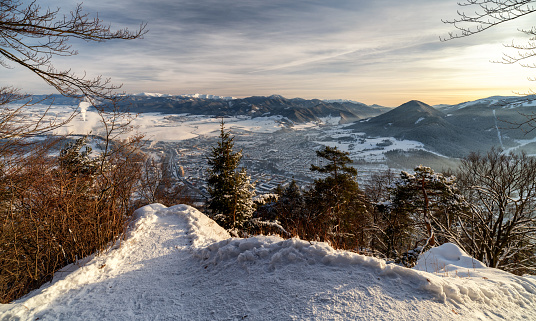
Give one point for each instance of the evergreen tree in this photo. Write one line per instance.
(340, 185)
(427, 199)
(291, 199)
(76, 161)
(290, 205)
(231, 193)
(336, 203)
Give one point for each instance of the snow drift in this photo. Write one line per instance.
(177, 264)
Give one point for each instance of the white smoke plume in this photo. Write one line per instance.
(83, 105)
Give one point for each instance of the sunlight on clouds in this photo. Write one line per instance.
(376, 52)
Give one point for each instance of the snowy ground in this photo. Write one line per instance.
(160, 127)
(371, 149)
(167, 127)
(157, 126)
(178, 127)
(176, 264)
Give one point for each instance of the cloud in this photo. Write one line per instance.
(296, 48)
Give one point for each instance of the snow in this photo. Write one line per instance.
(447, 257)
(341, 101)
(166, 127)
(152, 95)
(169, 127)
(205, 96)
(363, 147)
(330, 120)
(83, 106)
(493, 101)
(177, 264)
(176, 127)
(490, 101)
(521, 143)
(529, 103)
(498, 130)
(419, 120)
(466, 281)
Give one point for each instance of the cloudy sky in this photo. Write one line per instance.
(377, 52)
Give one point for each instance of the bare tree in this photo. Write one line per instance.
(158, 186)
(377, 185)
(21, 24)
(31, 36)
(500, 228)
(52, 214)
(486, 14)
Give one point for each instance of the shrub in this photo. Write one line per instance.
(54, 212)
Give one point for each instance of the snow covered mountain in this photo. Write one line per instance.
(177, 264)
(420, 122)
(295, 110)
(449, 130)
(152, 95)
(457, 130)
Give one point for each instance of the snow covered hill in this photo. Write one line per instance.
(177, 264)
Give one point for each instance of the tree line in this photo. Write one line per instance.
(487, 206)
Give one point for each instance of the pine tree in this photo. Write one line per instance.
(231, 192)
(76, 161)
(336, 202)
(431, 200)
(290, 205)
(341, 183)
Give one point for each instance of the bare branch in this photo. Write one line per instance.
(488, 13)
(20, 24)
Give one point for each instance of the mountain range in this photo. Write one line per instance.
(295, 110)
(449, 130)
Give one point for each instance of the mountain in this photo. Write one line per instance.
(450, 130)
(296, 110)
(447, 134)
(408, 115)
(53, 99)
(504, 116)
(177, 264)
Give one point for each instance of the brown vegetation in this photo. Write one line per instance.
(54, 212)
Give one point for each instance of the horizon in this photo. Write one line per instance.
(192, 95)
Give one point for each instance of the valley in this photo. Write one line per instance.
(279, 148)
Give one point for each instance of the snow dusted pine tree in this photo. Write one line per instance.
(336, 204)
(430, 200)
(231, 192)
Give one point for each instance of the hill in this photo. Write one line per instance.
(296, 110)
(498, 115)
(457, 130)
(177, 264)
(418, 121)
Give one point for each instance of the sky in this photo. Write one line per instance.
(384, 52)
